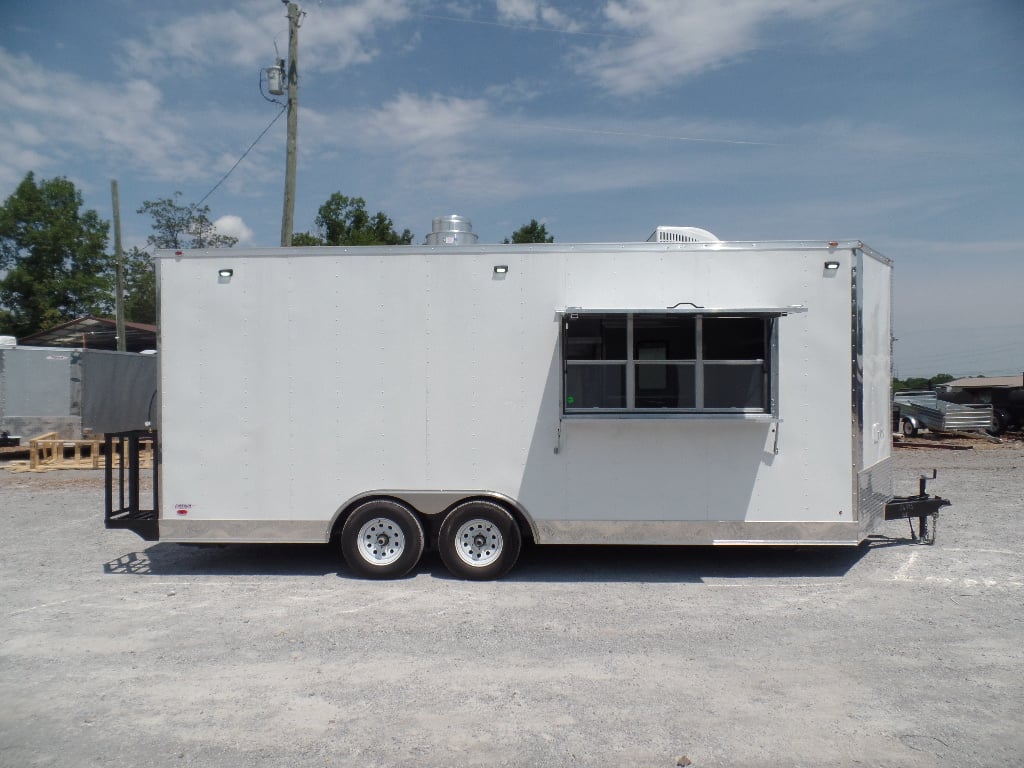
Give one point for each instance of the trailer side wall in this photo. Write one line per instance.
(311, 377)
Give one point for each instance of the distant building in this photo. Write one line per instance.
(93, 333)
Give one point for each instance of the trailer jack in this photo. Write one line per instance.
(922, 506)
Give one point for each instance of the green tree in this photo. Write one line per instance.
(305, 238)
(54, 255)
(919, 382)
(183, 226)
(532, 233)
(139, 287)
(344, 220)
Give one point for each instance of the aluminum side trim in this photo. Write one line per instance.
(490, 249)
(654, 532)
(244, 531)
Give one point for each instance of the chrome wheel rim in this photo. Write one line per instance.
(381, 541)
(478, 542)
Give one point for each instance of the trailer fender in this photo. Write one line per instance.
(434, 505)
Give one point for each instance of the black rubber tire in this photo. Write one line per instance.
(1000, 421)
(479, 540)
(366, 551)
(908, 428)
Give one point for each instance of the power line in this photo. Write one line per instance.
(247, 151)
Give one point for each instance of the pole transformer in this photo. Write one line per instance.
(288, 217)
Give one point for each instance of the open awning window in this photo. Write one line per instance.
(674, 361)
(691, 309)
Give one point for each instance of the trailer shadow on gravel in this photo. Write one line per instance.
(619, 564)
(229, 560)
(679, 563)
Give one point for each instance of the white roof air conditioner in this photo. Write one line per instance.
(682, 235)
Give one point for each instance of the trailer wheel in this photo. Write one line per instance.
(909, 429)
(1000, 421)
(479, 540)
(382, 540)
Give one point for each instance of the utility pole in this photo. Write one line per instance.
(288, 217)
(119, 256)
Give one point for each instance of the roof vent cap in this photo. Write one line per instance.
(451, 230)
(682, 235)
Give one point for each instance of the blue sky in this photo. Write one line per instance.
(897, 123)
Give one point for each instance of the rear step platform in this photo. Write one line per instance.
(123, 483)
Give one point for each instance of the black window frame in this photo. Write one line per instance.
(640, 360)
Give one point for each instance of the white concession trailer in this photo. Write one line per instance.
(682, 390)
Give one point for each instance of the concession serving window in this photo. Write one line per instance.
(670, 361)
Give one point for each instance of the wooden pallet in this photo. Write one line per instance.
(48, 452)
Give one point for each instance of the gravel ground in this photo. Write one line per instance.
(114, 651)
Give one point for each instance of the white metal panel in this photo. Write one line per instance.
(726, 470)
(284, 388)
(876, 359)
(491, 351)
(315, 375)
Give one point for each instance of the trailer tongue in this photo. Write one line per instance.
(922, 506)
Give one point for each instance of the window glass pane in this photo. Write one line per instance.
(734, 386)
(734, 338)
(595, 337)
(673, 337)
(734, 369)
(595, 386)
(661, 385)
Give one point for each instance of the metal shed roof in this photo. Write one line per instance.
(93, 333)
(986, 382)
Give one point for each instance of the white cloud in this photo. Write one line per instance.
(531, 11)
(437, 141)
(331, 38)
(517, 91)
(556, 18)
(234, 226)
(57, 123)
(467, 148)
(674, 40)
(431, 124)
(517, 10)
(60, 116)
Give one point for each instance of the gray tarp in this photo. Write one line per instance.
(118, 390)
